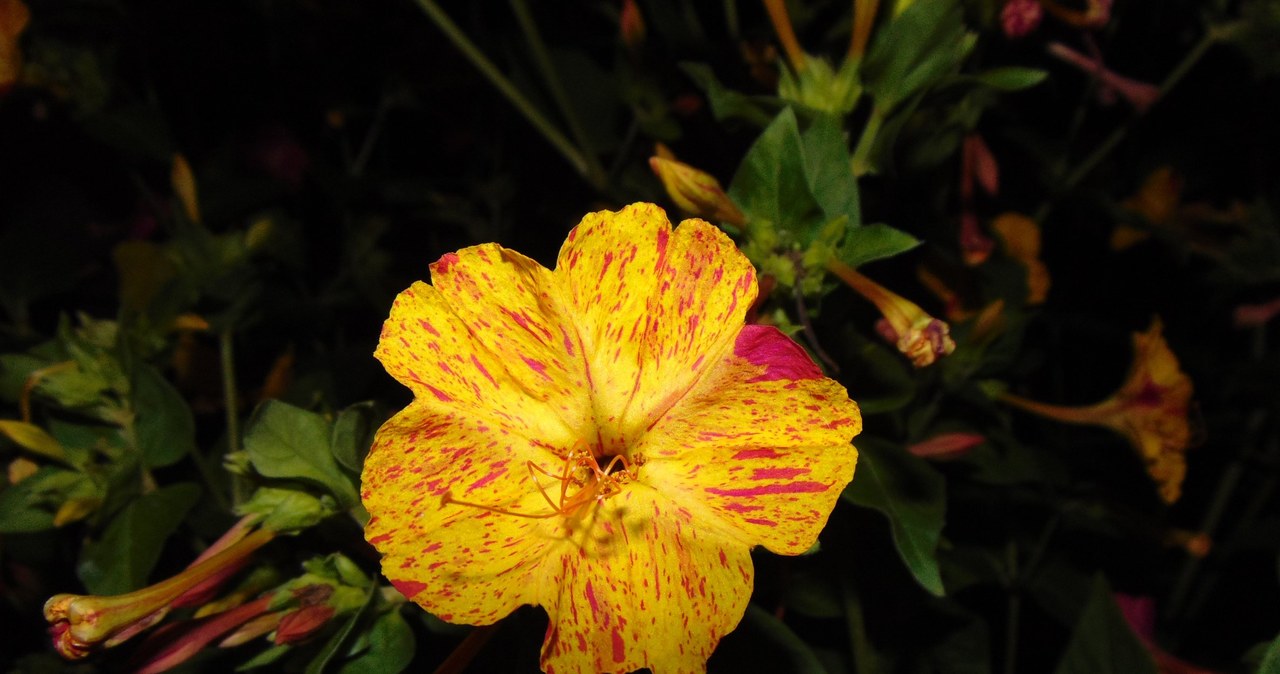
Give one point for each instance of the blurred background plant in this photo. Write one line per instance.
(1036, 240)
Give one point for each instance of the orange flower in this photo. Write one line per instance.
(606, 440)
(1150, 409)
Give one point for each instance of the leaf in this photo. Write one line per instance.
(165, 427)
(770, 184)
(15, 369)
(912, 495)
(915, 50)
(391, 647)
(1011, 78)
(121, 561)
(288, 442)
(20, 507)
(729, 104)
(1102, 642)
(334, 644)
(874, 242)
(265, 658)
(827, 170)
(1271, 659)
(761, 638)
(352, 435)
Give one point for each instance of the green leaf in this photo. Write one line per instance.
(914, 51)
(265, 658)
(729, 104)
(122, 559)
(21, 508)
(759, 638)
(1102, 642)
(352, 435)
(286, 510)
(34, 439)
(874, 242)
(391, 647)
(1271, 659)
(331, 647)
(288, 442)
(15, 369)
(826, 168)
(165, 427)
(912, 495)
(1011, 78)
(770, 184)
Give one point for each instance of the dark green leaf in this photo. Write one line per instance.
(827, 169)
(22, 509)
(729, 104)
(912, 495)
(15, 369)
(1271, 659)
(391, 647)
(352, 434)
(1102, 642)
(1011, 78)
(770, 184)
(287, 442)
(265, 657)
(874, 242)
(122, 559)
(915, 50)
(165, 427)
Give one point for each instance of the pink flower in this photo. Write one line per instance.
(1020, 17)
(1141, 95)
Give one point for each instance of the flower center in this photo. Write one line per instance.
(582, 480)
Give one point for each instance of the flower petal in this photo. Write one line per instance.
(489, 342)
(653, 588)
(761, 445)
(654, 309)
(462, 563)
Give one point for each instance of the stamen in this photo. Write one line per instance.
(582, 468)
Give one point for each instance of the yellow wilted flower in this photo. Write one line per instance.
(183, 181)
(606, 440)
(1156, 201)
(695, 192)
(1150, 409)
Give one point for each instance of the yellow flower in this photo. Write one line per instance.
(606, 440)
(14, 16)
(920, 337)
(1150, 409)
(695, 192)
(1021, 236)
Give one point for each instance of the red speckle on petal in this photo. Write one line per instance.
(777, 473)
(762, 522)
(755, 454)
(440, 395)
(381, 538)
(409, 588)
(444, 263)
(804, 487)
(619, 648)
(591, 599)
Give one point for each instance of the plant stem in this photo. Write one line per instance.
(1013, 611)
(505, 87)
(542, 58)
(1099, 153)
(861, 163)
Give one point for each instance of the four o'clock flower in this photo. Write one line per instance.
(1150, 409)
(695, 192)
(605, 439)
(920, 337)
(1141, 95)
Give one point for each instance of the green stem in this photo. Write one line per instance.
(505, 87)
(231, 400)
(541, 57)
(1013, 612)
(861, 163)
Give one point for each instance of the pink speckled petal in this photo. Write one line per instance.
(655, 308)
(760, 453)
(651, 587)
